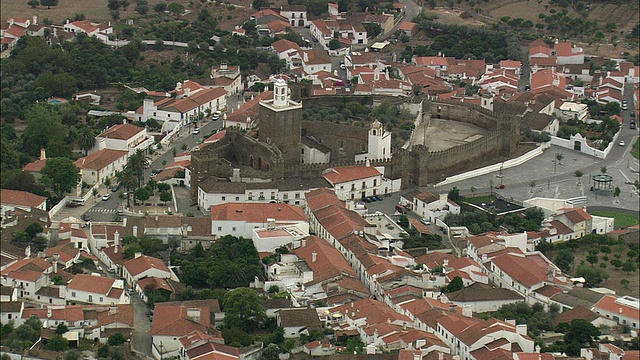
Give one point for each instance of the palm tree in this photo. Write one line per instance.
(136, 165)
(603, 170)
(86, 139)
(129, 181)
(532, 184)
(94, 192)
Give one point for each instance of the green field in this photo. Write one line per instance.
(621, 220)
(636, 149)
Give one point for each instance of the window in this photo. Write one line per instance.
(233, 228)
(224, 198)
(90, 298)
(73, 294)
(219, 228)
(297, 196)
(237, 198)
(353, 186)
(9, 316)
(364, 184)
(101, 299)
(375, 182)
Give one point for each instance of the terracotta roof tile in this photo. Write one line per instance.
(121, 132)
(608, 303)
(339, 175)
(143, 263)
(257, 212)
(91, 283)
(18, 197)
(100, 159)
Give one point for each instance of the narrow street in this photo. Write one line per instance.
(141, 336)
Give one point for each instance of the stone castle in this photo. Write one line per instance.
(285, 140)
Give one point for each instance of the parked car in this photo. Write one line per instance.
(114, 189)
(196, 131)
(401, 209)
(632, 125)
(106, 197)
(72, 205)
(85, 217)
(378, 197)
(216, 115)
(500, 186)
(366, 199)
(342, 65)
(425, 221)
(621, 143)
(372, 198)
(119, 212)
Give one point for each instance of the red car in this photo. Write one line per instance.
(501, 186)
(72, 205)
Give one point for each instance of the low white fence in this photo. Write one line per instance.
(584, 147)
(496, 167)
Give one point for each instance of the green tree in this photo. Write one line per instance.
(593, 277)
(259, 4)
(373, 29)
(61, 329)
(175, 8)
(86, 139)
(160, 7)
(577, 334)
(49, 3)
(74, 354)
(33, 229)
(61, 175)
(629, 267)
(579, 175)
(43, 126)
(136, 164)
(243, 309)
(33, 3)
(455, 284)
(564, 259)
(592, 259)
(334, 44)
(454, 194)
(165, 197)
(116, 339)
(57, 343)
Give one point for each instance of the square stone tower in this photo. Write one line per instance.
(281, 123)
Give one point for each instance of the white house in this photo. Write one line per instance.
(571, 110)
(145, 266)
(378, 144)
(227, 77)
(10, 200)
(356, 182)
(240, 219)
(100, 165)
(11, 311)
(623, 310)
(27, 275)
(95, 289)
(123, 137)
(430, 206)
(296, 14)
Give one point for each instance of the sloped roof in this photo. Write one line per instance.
(522, 269)
(578, 312)
(121, 132)
(343, 174)
(91, 283)
(22, 198)
(100, 159)
(609, 303)
(143, 263)
(329, 262)
(482, 292)
(257, 212)
(306, 317)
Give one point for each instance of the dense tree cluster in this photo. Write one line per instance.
(229, 263)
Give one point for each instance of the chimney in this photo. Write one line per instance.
(116, 241)
(445, 262)
(271, 223)
(521, 329)
(135, 230)
(35, 19)
(314, 256)
(124, 222)
(113, 310)
(49, 312)
(538, 349)
(138, 254)
(193, 314)
(303, 242)
(467, 311)
(43, 154)
(56, 257)
(156, 218)
(223, 66)
(305, 56)
(368, 163)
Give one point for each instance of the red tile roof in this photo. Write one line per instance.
(339, 175)
(257, 212)
(91, 283)
(35, 264)
(322, 197)
(608, 303)
(22, 198)
(35, 166)
(121, 132)
(522, 269)
(122, 314)
(565, 48)
(100, 159)
(66, 251)
(143, 263)
(171, 320)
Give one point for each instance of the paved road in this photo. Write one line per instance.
(141, 336)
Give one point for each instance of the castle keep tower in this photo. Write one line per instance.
(281, 123)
